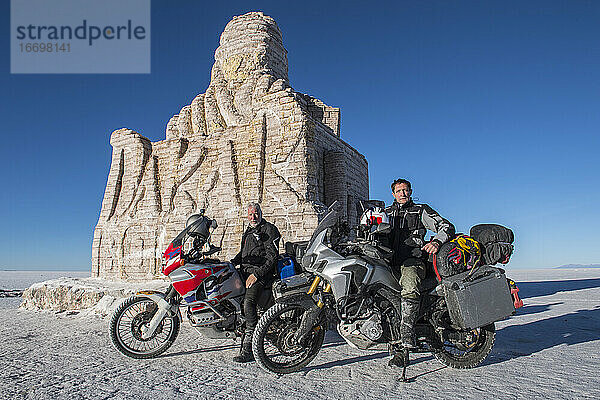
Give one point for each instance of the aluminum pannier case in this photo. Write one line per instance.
(478, 299)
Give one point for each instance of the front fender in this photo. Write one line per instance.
(164, 308)
(159, 299)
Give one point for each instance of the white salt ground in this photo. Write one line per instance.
(23, 279)
(549, 350)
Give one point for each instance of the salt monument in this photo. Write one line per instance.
(249, 138)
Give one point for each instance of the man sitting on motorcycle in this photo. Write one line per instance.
(410, 223)
(258, 263)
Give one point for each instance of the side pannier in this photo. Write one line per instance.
(478, 297)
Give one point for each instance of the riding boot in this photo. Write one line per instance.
(410, 311)
(245, 349)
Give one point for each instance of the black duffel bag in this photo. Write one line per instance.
(496, 241)
(497, 253)
(492, 233)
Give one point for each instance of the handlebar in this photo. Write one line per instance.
(366, 248)
(196, 255)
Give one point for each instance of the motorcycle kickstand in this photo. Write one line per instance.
(406, 361)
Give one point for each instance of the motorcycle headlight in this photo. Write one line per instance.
(321, 266)
(308, 260)
(188, 245)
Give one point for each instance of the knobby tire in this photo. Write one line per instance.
(124, 329)
(270, 333)
(448, 354)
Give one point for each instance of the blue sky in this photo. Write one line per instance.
(490, 108)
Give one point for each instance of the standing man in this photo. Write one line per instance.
(258, 263)
(410, 223)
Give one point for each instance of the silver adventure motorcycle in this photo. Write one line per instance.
(349, 286)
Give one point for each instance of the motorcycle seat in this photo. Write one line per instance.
(428, 284)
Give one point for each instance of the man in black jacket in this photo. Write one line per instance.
(257, 260)
(410, 223)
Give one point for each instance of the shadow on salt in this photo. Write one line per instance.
(546, 288)
(573, 328)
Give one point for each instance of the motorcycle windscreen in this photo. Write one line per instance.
(172, 254)
(178, 241)
(334, 212)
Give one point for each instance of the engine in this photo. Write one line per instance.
(365, 332)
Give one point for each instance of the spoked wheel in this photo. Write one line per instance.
(273, 342)
(126, 329)
(470, 352)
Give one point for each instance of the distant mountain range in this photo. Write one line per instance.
(579, 266)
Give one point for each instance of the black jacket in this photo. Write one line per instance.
(410, 223)
(259, 251)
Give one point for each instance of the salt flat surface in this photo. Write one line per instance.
(10, 280)
(549, 350)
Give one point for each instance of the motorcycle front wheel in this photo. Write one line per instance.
(273, 345)
(468, 353)
(127, 322)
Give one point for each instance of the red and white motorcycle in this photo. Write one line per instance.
(210, 293)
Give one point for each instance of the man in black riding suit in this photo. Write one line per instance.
(410, 223)
(258, 264)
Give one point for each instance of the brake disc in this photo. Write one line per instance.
(285, 341)
(140, 320)
(470, 340)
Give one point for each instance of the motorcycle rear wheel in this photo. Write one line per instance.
(125, 329)
(272, 344)
(467, 355)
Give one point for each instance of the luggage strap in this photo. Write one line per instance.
(435, 268)
(467, 244)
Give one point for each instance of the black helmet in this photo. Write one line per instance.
(200, 226)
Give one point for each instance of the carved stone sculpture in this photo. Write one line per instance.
(249, 138)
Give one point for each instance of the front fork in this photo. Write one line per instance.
(313, 288)
(164, 306)
(309, 318)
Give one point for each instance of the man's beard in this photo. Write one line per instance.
(254, 224)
